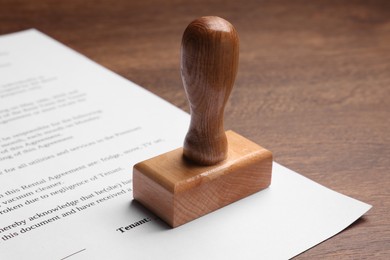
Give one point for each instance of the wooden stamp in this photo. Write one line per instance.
(214, 168)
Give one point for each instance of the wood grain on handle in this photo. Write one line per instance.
(209, 62)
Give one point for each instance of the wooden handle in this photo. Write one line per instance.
(209, 62)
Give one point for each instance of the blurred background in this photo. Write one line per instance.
(313, 84)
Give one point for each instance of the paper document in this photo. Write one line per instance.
(70, 133)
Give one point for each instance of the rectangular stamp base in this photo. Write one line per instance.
(179, 191)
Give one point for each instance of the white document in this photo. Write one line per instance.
(70, 132)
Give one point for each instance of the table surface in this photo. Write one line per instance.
(313, 84)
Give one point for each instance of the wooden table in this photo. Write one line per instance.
(313, 84)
